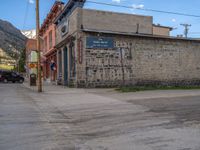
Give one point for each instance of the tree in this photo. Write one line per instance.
(22, 61)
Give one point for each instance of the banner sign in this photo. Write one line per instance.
(100, 42)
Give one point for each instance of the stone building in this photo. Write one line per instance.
(47, 33)
(107, 49)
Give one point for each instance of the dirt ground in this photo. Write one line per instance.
(98, 119)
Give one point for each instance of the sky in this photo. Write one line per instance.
(21, 13)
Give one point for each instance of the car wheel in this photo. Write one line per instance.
(5, 81)
(21, 81)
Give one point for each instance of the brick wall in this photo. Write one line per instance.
(159, 30)
(112, 21)
(105, 21)
(48, 46)
(31, 45)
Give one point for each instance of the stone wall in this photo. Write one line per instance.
(136, 59)
(141, 60)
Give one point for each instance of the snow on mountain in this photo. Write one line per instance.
(31, 34)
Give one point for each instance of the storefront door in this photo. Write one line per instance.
(65, 53)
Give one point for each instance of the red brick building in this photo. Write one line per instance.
(48, 34)
(31, 54)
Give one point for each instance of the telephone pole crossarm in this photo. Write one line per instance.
(186, 26)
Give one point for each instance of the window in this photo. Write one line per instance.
(50, 39)
(45, 44)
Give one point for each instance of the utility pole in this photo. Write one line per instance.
(186, 26)
(38, 47)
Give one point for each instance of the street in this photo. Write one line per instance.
(98, 119)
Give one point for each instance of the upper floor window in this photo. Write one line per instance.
(45, 43)
(50, 39)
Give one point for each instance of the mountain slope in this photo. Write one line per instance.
(12, 41)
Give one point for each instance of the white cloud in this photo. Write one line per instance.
(132, 11)
(116, 1)
(137, 6)
(173, 20)
(31, 1)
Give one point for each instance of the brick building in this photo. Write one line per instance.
(104, 49)
(48, 35)
(31, 55)
(161, 30)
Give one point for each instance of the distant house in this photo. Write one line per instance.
(6, 60)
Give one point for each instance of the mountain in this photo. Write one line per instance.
(12, 41)
(31, 34)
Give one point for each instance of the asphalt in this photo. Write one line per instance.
(98, 119)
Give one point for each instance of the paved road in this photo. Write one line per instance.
(77, 119)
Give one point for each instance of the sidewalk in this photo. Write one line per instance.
(52, 88)
(49, 88)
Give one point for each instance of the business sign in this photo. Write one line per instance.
(99, 42)
(32, 65)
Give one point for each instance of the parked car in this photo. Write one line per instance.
(6, 76)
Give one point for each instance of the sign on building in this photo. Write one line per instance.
(32, 65)
(99, 42)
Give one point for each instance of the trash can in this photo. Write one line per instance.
(59, 80)
(33, 79)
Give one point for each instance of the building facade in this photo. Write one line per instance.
(31, 56)
(66, 30)
(107, 49)
(161, 30)
(48, 35)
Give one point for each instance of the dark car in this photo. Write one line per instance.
(6, 76)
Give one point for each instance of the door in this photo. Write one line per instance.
(65, 53)
(72, 62)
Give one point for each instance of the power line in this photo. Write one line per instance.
(194, 32)
(145, 9)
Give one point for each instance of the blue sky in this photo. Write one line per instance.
(14, 11)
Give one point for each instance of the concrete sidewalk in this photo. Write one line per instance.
(49, 88)
(52, 88)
